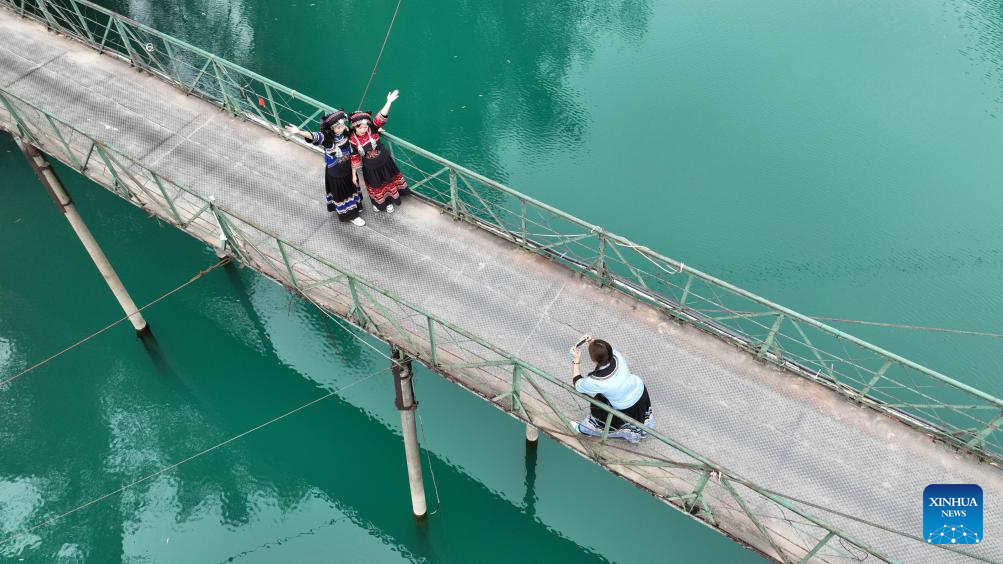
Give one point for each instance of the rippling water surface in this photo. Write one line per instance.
(841, 158)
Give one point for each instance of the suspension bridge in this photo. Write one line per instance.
(791, 437)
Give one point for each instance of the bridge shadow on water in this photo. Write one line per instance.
(335, 450)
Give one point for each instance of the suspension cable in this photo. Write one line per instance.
(380, 56)
(189, 459)
(200, 274)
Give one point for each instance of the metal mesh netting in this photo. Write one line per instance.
(445, 285)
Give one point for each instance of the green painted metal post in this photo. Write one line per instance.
(981, 436)
(87, 160)
(357, 313)
(174, 63)
(874, 380)
(686, 290)
(170, 202)
(817, 548)
(223, 239)
(83, 22)
(271, 104)
(104, 37)
(522, 218)
(50, 21)
(698, 490)
(601, 271)
(434, 356)
(532, 432)
(454, 200)
(227, 99)
(119, 185)
(133, 54)
(752, 517)
(59, 134)
(199, 76)
(606, 426)
(771, 337)
(289, 267)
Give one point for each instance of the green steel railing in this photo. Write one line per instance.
(956, 413)
(691, 482)
(952, 411)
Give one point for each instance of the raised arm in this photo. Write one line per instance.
(293, 130)
(391, 97)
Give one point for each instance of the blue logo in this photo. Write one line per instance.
(952, 514)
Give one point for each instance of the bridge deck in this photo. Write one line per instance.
(773, 428)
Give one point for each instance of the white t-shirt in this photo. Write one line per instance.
(621, 388)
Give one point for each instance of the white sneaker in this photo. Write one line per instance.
(390, 208)
(358, 221)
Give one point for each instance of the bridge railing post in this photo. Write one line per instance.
(83, 24)
(228, 102)
(50, 22)
(133, 54)
(532, 432)
(600, 266)
(432, 352)
(523, 234)
(771, 337)
(454, 199)
(979, 438)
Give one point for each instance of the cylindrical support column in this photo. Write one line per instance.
(532, 434)
(407, 405)
(47, 176)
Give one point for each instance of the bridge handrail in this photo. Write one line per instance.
(883, 381)
(23, 7)
(690, 270)
(202, 216)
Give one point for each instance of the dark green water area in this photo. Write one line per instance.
(841, 158)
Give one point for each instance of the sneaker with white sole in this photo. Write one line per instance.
(390, 208)
(358, 221)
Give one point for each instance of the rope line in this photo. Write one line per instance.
(385, 39)
(348, 328)
(873, 323)
(914, 327)
(200, 274)
(428, 457)
(189, 459)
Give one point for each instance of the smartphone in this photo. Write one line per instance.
(582, 341)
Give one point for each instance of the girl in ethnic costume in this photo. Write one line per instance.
(613, 384)
(343, 195)
(384, 180)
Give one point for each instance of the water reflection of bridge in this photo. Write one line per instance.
(746, 391)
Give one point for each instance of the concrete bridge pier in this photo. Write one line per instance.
(532, 435)
(406, 404)
(47, 176)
